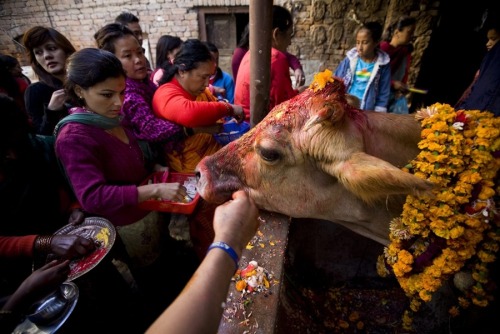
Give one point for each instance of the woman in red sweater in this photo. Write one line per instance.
(184, 98)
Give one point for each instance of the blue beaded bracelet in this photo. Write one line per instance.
(222, 245)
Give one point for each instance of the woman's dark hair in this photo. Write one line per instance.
(89, 67)
(7, 80)
(212, 47)
(192, 53)
(400, 24)
(164, 46)
(37, 36)
(106, 36)
(126, 18)
(282, 18)
(374, 28)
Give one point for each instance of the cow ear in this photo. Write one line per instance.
(323, 111)
(371, 178)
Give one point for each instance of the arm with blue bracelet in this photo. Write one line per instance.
(225, 247)
(235, 222)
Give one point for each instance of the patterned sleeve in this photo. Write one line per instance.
(141, 119)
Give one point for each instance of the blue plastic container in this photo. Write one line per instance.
(231, 131)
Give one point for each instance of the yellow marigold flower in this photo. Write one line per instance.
(487, 132)
(488, 183)
(446, 197)
(321, 79)
(464, 303)
(486, 193)
(486, 256)
(480, 302)
(439, 126)
(473, 222)
(456, 163)
(484, 142)
(480, 267)
(474, 236)
(415, 305)
(481, 157)
(407, 320)
(436, 147)
(491, 246)
(426, 133)
(478, 290)
(495, 145)
(430, 284)
(469, 133)
(343, 324)
(454, 312)
(480, 276)
(400, 269)
(462, 188)
(381, 267)
(420, 175)
(241, 285)
(456, 232)
(426, 296)
(470, 177)
(442, 233)
(444, 210)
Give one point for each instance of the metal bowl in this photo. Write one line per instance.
(55, 306)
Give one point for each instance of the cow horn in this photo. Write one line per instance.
(324, 111)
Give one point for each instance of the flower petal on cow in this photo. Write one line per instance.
(458, 226)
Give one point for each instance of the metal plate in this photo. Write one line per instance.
(101, 232)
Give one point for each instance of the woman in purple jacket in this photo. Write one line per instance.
(138, 116)
(104, 161)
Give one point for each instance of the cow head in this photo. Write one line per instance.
(316, 156)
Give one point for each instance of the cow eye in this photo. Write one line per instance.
(269, 155)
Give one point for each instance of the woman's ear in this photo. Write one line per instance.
(275, 36)
(78, 91)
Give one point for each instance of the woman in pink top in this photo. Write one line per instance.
(281, 88)
(166, 49)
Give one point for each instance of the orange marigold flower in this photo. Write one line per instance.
(241, 285)
(454, 311)
(464, 303)
(343, 324)
(321, 79)
(486, 193)
(486, 256)
(426, 296)
(480, 302)
(353, 316)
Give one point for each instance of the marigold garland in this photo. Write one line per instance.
(458, 228)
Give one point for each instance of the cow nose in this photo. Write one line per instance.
(198, 175)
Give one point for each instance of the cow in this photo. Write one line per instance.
(316, 156)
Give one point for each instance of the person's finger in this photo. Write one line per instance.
(239, 194)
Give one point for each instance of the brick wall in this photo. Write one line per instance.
(323, 28)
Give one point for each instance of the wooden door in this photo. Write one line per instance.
(221, 30)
